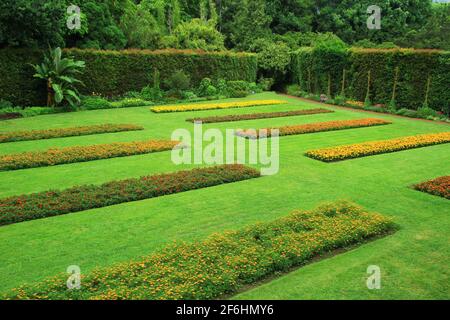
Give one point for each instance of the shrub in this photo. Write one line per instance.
(113, 73)
(378, 147)
(5, 104)
(224, 262)
(239, 94)
(178, 82)
(407, 113)
(52, 203)
(130, 102)
(211, 106)
(38, 111)
(94, 103)
(313, 127)
(438, 187)
(254, 116)
(65, 132)
(237, 86)
(57, 156)
(203, 87)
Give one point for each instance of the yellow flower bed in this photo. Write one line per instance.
(224, 263)
(378, 147)
(212, 106)
(74, 154)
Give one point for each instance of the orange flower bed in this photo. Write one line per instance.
(378, 147)
(66, 132)
(82, 153)
(313, 127)
(438, 187)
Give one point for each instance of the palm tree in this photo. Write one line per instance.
(60, 75)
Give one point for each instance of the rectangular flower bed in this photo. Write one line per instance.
(313, 127)
(223, 263)
(254, 116)
(438, 187)
(52, 203)
(57, 156)
(378, 147)
(212, 106)
(66, 132)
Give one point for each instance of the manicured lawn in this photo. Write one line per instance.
(414, 261)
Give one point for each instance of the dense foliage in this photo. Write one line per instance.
(403, 78)
(378, 147)
(53, 202)
(114, 73)
(209, 24)
(224, 262)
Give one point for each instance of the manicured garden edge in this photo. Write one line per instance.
(53, 203)
(212, 106)
(312, 128)
(378, 147)
(57, 156)
(66, 132)
(438, 187)
(224, 262)
(254, 116)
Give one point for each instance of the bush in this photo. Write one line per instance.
(5, 104)
(113, 73)
(314, 127)
(53, 203)
(407, 113)
(178, 82)
(203, 87)
(223, 263)
(65, 132)
(94, 103)
(130, 102)
(74, 154)
(378, 147)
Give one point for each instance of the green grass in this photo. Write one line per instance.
(414, 261)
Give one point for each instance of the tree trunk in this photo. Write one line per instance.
(50, 94)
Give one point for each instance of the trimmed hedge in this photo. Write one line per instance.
(113, 73)
(254, 116)
(53, 203)
(312, 69)
(66, 132)
(438, 187)
(313, 127)
(378, 147)
(224, 262)
(57, 156)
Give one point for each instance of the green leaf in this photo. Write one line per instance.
(59, 96)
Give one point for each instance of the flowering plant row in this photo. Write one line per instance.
(82, 153)
(52, 203)
(211, 106)
(254, 116)
(224, 262)
(438, 187)
(66, 132)
(378, 147)
(313, 127)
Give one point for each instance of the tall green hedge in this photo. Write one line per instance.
(112, 73)
(311, 69)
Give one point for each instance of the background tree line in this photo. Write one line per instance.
(246, 25)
